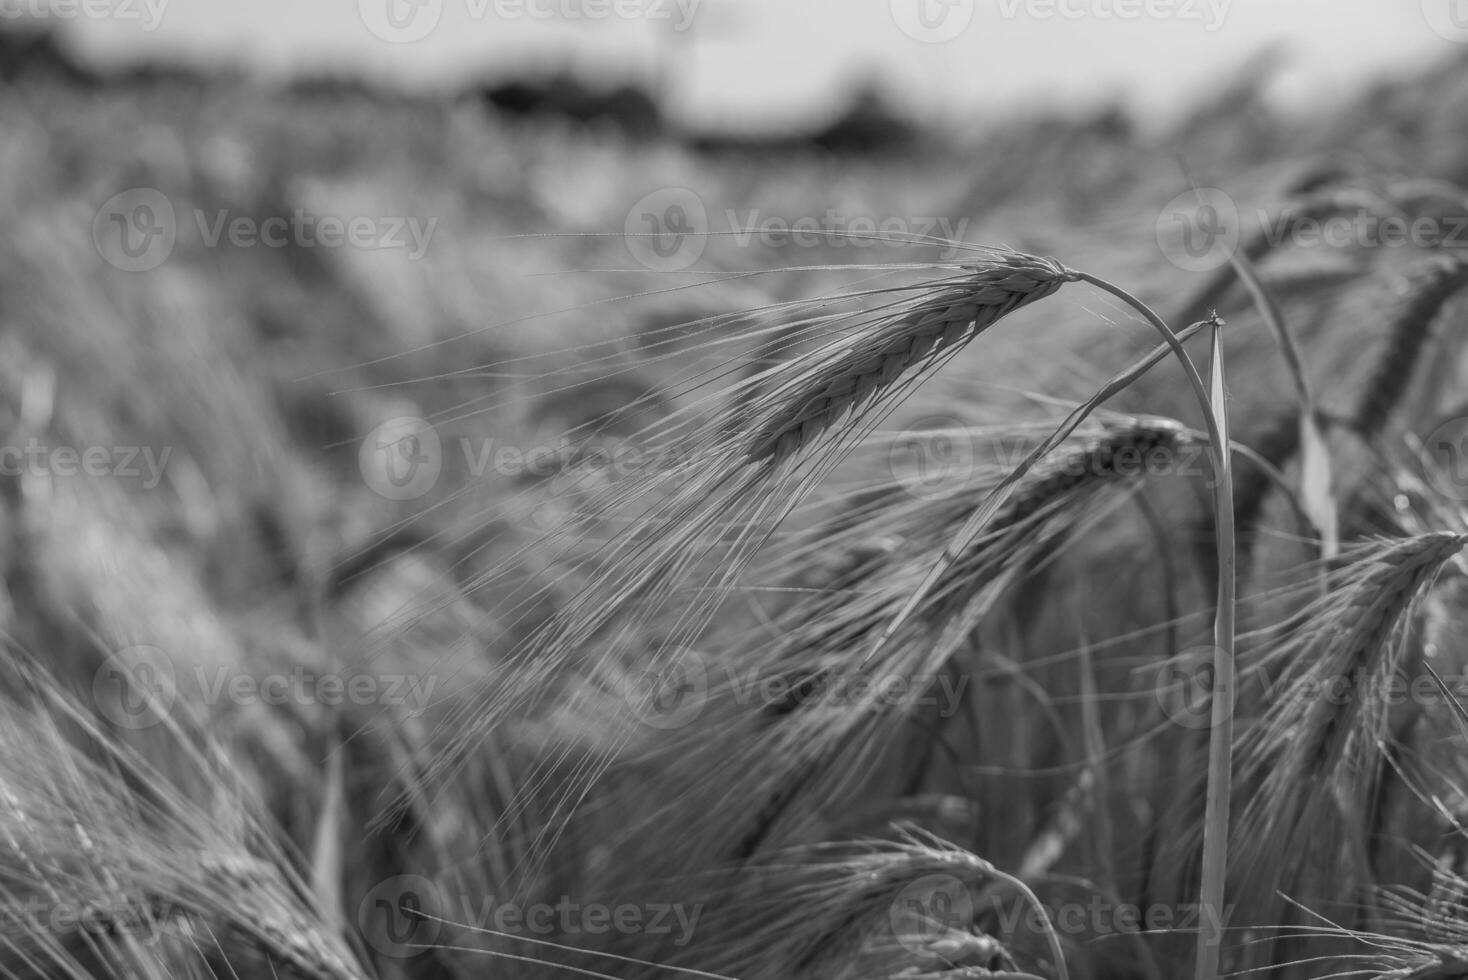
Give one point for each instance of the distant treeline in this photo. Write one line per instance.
(868, 124)
(27, 53)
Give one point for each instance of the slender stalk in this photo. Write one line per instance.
(1220, 740)
(1001, 493)
(1220, 745)
(1315, 468)
(1215, 831)
(1062, 972)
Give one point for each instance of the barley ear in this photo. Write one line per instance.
(822, 386)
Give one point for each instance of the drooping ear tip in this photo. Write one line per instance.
(1454, 565)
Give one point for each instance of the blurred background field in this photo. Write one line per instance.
(572, 223)
(235, 354)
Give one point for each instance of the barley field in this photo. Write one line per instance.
(447, 541)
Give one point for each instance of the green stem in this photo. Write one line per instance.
(1220, 740)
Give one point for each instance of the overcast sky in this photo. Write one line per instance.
(779, 60)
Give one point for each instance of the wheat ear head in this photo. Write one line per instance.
(1046, 509)
(1433, 285)
(825, 383)
(1327, 716)
(1123, 450)
(1364, 616)
(857, 903)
